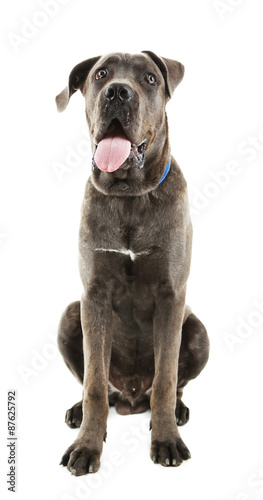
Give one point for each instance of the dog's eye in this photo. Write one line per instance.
(151, 79)
(101, 74)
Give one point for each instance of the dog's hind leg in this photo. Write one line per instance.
(70, 340)
(70, 343)
(193, 357)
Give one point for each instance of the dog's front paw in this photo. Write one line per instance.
(81, 459)
(169, 452)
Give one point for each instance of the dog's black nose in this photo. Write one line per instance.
(118, 91)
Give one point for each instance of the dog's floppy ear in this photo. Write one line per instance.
(172, 71)
(76, 80)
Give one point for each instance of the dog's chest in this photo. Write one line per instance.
(124, 227)
(124, 240)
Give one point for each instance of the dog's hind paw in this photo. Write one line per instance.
(182, 413)
(73, 416)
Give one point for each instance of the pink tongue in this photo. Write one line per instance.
(112, 152)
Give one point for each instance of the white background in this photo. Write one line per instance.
(215, 122)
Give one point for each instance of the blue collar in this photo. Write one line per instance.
(167, 168)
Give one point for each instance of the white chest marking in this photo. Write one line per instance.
(123, 251)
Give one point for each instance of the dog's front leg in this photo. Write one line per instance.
(167, 447)
(84, 454)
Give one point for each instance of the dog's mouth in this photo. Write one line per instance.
(115, 149)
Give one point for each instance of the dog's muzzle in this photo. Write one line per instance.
(114, 149)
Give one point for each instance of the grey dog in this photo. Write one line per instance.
(131, 341)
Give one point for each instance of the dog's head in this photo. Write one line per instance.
(125, 98)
